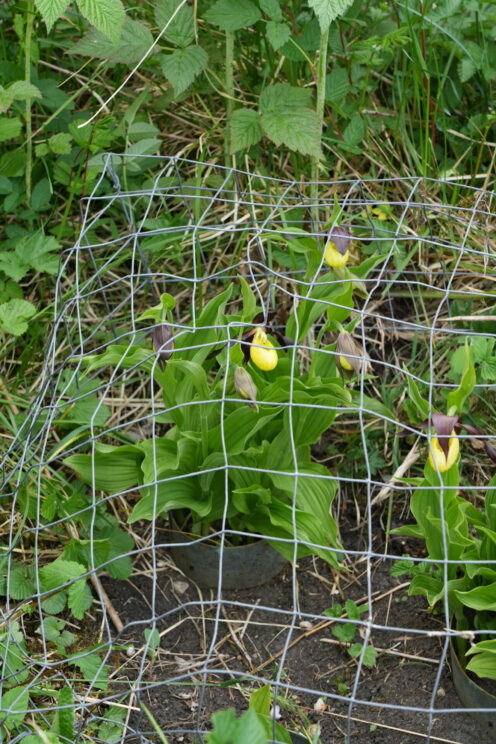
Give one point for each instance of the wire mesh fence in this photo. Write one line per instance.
(149, 464)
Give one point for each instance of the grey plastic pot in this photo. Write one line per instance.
(472, 695)
(242, 567)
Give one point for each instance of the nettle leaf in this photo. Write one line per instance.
(231, 15)
(105, 15)
(132, 44)
(278, 33)
(287, 119)
(183, 66)
(181, 30)
(245, 129)
(51, 10)
(14, 316)
(328, 10)
(272, 9)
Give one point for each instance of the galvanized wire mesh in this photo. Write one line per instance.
(190, 233)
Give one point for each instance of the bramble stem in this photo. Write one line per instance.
(27, 115)
(321, 87)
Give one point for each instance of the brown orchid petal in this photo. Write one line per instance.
(162, 341)
(444, 426)
(341, 237)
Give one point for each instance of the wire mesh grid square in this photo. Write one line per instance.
(430, 268)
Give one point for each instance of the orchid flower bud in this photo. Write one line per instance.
(244, 385)
(162, 341)
(445, 447)
(350, 354)
(337, 250)
(264, 358)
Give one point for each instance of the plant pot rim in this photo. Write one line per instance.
(472, 694)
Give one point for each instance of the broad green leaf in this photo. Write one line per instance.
(287, 119)
(183, 66)
(272, 8)
(337, 85)
(41, 196)
(10, 127)
(51, 10)
(130, 46)
(328, 10)
(225, 728)
(39, 252)
(105, 15)
(60, 143)
(231, 15)
(181, 30)
(327, 296)
(479, 598)
(122, 356)
(21, 582)
(456, 398)
(278, 34)
(114, 471)
(250, 729)
(160, 454)
(14, 658)
(16, 701)
(14, 316)
(204, 333)
(177, 491)
(244, 129)
(249, 301)
(483, 664)
(369, 655)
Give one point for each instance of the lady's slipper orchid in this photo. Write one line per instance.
(162, 342)
(337, 250)
(262, 353)
(445, 446)
(244, 386)
(350, 354)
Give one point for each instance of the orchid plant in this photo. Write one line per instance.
(460, 537)
(242, 408)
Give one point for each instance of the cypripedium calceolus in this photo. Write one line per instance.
(444, 447)
(262, 353)
(337, 249)
(162, 342)
(244, 386)
(350, 354)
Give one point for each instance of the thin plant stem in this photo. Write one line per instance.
(229, 85)
(321, 86)
(27, 115)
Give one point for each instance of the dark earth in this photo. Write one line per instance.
(248, 639)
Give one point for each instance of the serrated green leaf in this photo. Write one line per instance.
(42, 193)
(14, 700)
(181, 30)
(64, 718)
(21, 90)
(337, 85)
(10, 127)
(59, 572)
(39, 252)
(183, 66)
(79, 598)
(287, 119)
(466, 69)
(105, 15)
(278, 33)
(60, 143)
(328, 10)
(51, 10)
(272, 9)
(132, 44)
(354, 132)
(92, 669)
(14, 316)
(245, 129)
(231, 15)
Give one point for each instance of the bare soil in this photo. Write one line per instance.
(276, 632)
